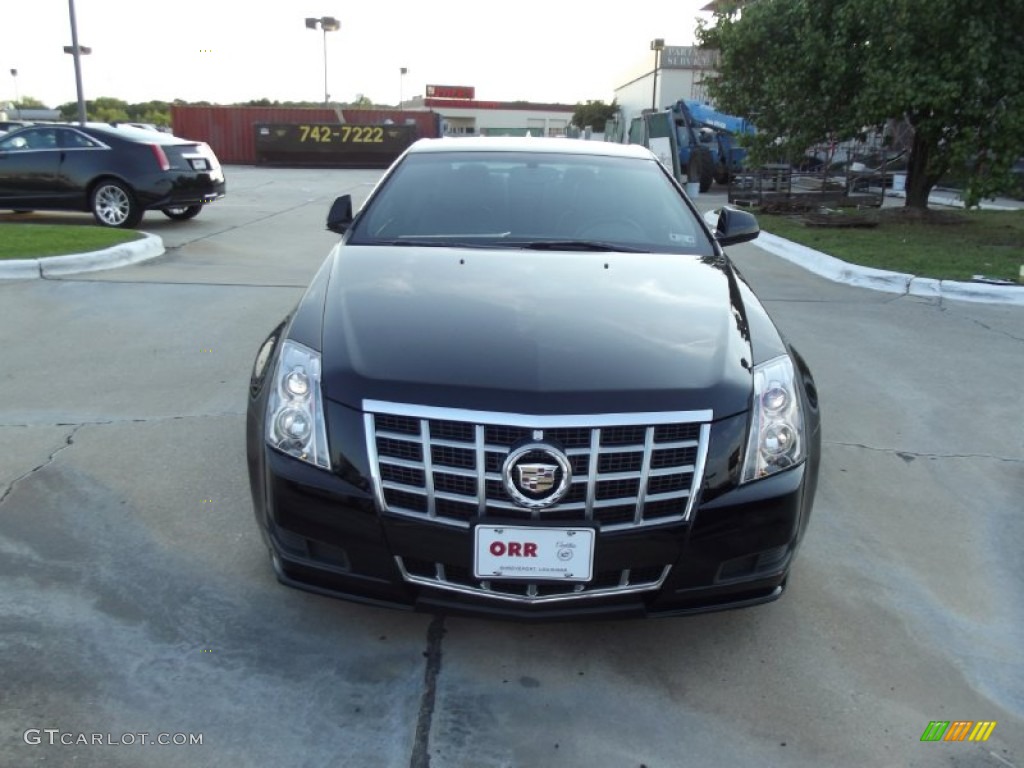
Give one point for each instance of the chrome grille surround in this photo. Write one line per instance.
(443, 464)
(606, 584)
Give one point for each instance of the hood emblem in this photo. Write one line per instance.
(536, 475)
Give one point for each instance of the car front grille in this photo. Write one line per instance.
(459, 579)
(444, 465)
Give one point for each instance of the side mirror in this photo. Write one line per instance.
(735, 226)
(340, 217)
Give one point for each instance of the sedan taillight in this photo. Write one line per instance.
(161, 157)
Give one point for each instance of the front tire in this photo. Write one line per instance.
(113, 205)
(182, 213)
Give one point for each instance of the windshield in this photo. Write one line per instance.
(530, 199)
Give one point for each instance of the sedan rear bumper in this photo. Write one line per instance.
(182, 190)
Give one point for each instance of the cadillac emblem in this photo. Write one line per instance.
(537, 478)
(536, 475)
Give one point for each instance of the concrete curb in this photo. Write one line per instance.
(839, 271)
(147, 247)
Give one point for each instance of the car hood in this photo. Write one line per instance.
(534, 332)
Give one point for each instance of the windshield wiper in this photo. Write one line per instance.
(536, 245)
(448, 240)
(420, 243)
(577, 245)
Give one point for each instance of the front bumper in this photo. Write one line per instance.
(326, 535)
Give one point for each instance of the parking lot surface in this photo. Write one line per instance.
(136, 596)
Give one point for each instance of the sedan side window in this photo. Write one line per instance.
(13, 144)
(37, 138)
(76, 140)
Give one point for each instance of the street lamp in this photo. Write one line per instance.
(78, 51)
(327, 24)
(402, 72)
(14, 74)
(657, 45)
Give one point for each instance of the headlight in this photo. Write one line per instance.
(776, 440)
(295, 413)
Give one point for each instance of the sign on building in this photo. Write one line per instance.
(451, 92)
(688, 57)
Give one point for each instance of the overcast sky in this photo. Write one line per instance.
(229, 50)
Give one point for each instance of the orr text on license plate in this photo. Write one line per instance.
(522, 552)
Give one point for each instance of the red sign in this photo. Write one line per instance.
(451, 92)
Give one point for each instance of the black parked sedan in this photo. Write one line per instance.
(117, 172)
(529, 383)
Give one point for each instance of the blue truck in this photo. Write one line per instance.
(694, 139)
(707, 141)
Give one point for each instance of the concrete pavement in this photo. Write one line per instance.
(136, 595)
(814, 261)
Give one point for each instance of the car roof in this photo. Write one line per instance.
(529, 144)
(131, 133)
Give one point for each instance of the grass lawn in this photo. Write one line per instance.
(29, 241)
(947, 245)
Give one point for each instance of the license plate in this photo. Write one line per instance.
(200, 164)
(520, 552)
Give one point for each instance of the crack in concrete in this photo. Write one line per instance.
(421, 746)
(949, 308)
(152, 420)
(68, 441)
(909, 456)
(996, 330)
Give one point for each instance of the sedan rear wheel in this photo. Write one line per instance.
(182, 213)
(113, 205)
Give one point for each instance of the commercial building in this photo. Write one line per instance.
(463, 115)
(671, 73)
(11, 112)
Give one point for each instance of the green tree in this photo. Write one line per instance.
(156, 117)
(593, 114)
(807, 70)
(106, 109)
(29, 102)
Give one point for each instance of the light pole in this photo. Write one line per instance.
(14, 74)
(657, 45)
(402, 72)
(77, 51)
(327, 24)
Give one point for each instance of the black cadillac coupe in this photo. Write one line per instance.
(115, 171)
(528, 382)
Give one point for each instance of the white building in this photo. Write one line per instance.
(471, 117)
(681, 73)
